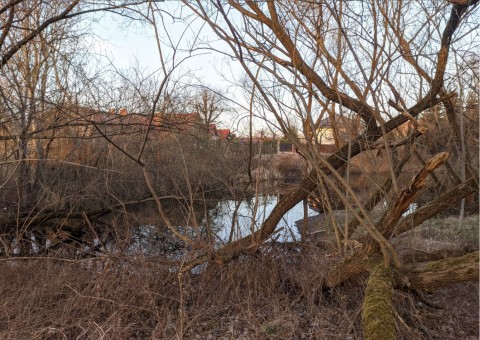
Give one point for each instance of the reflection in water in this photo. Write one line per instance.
(146, 239)
(249, 218)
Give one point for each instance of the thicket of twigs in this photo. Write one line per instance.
(275, 294)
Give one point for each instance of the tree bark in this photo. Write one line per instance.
(440, 273)
(378, 316)
(436, 206)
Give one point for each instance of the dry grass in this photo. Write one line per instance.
(274, 295)
(78, 300)
(253, 298)
(451, 229)
(441, 237)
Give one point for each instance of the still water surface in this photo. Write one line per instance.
(250, 215)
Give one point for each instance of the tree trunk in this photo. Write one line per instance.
(438, 205)
(401, 202)
(378, 316)
(440, 273)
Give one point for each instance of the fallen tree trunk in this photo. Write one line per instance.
(386, 226)
(439, 273)
(438, 205)
(378, 315)
(358, 262)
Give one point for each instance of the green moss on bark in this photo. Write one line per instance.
(452, 262)
(378, 316)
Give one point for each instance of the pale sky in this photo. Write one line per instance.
(136, 44)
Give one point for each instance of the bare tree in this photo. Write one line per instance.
(35, 87)
(209, 106)
(369, 74)
(17, 32)
(337, 55)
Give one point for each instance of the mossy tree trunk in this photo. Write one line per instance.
(378, 316)
(439, 273)
(358, 262)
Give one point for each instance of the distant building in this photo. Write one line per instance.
(331, 135)
(177, 122)
(121, 121)
(224, 134)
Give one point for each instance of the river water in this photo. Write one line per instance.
(251, 214)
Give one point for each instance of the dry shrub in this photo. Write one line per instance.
(446, 313)
(275, 294)
(82, 299)
(271, 296)
(290, 166)
(266, 296)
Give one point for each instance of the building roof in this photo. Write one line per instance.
(223, 134)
